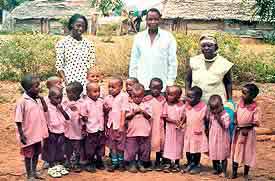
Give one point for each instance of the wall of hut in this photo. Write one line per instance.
(245, 28)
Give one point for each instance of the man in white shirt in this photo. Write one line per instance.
(154, 53)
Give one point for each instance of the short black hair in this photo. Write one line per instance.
(197, 90)
(133, 79)
(156, 79)
(154, 10)
(74, 18)
(76, 87)
(253, 89)
(119, 79)
(27, 81)
(138, 86)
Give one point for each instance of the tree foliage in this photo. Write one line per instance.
(105, 6)
(10, 4)
(265, 9)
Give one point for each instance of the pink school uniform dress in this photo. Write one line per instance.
(30, 113)
(118, 104)
(195, 140)
(243, 148)
(95, 138)
(157, 123)
(56, 125)
(73, 129)
(138, 134)
(219, 139)
(174, 137)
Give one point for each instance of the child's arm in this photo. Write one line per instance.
(23, 138)
(122, 120)
(64, 113)
(168, 120)
(44, 104)
(146, 115)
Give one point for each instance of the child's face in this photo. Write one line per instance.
(71, 94)
(114, 87)
(93, 91)
(137, 96)
(192, 98)
(246, 95)
(129, 85)
(35, 88)
(57, 98)
(55, 83)
(172, 95)
(216, 109)
(155, 88)
(94, 77)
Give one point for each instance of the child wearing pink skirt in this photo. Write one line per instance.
(174, 137)
(195, 140)
(248, 116)
(157, 101)
(219, 139)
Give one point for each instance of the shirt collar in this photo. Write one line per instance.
(197, 107)
(250, 107)
(158, 35)
(26, 96)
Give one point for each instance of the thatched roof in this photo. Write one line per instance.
(209, 9)
(51, 9)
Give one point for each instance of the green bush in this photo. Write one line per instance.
(27, 53)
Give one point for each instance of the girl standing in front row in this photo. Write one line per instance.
(248, 117)
(195, 140)
(219, 139)
(173, 116)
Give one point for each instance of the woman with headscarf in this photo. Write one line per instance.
(210, 71)
(75, 54)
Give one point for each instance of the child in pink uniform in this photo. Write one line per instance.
(195, 140)
(73, 128)
(157, 102)
(94, 121)
(174, 134)
(129, 84)
(219, 139)
(248, 116)
(31, 123)
(56, 118)
(95, 75)
(116, 105)
(138, 130)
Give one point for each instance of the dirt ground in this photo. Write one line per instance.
(11, 163)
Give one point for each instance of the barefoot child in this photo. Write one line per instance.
(174, 134)
(73, 128)
(94, 123)
(219, 138)
(248, 116)
(138, 130)
(195, 140)
(116, 105)
(56, 118)
(31, 123)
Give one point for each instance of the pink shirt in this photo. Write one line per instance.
(30, 113)
(139, 125)
(118, 104)
(94, 111)
(73, 127)
(56, 120)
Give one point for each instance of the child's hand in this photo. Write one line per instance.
(138, 110)
(23, 139)
(179, 124)
(73, 108)
(106, 107)
(85, 119)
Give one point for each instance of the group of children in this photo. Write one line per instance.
(132, 124)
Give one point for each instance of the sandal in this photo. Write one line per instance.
(53, 173)
(61, 169)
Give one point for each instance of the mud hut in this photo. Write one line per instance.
(234, 16)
